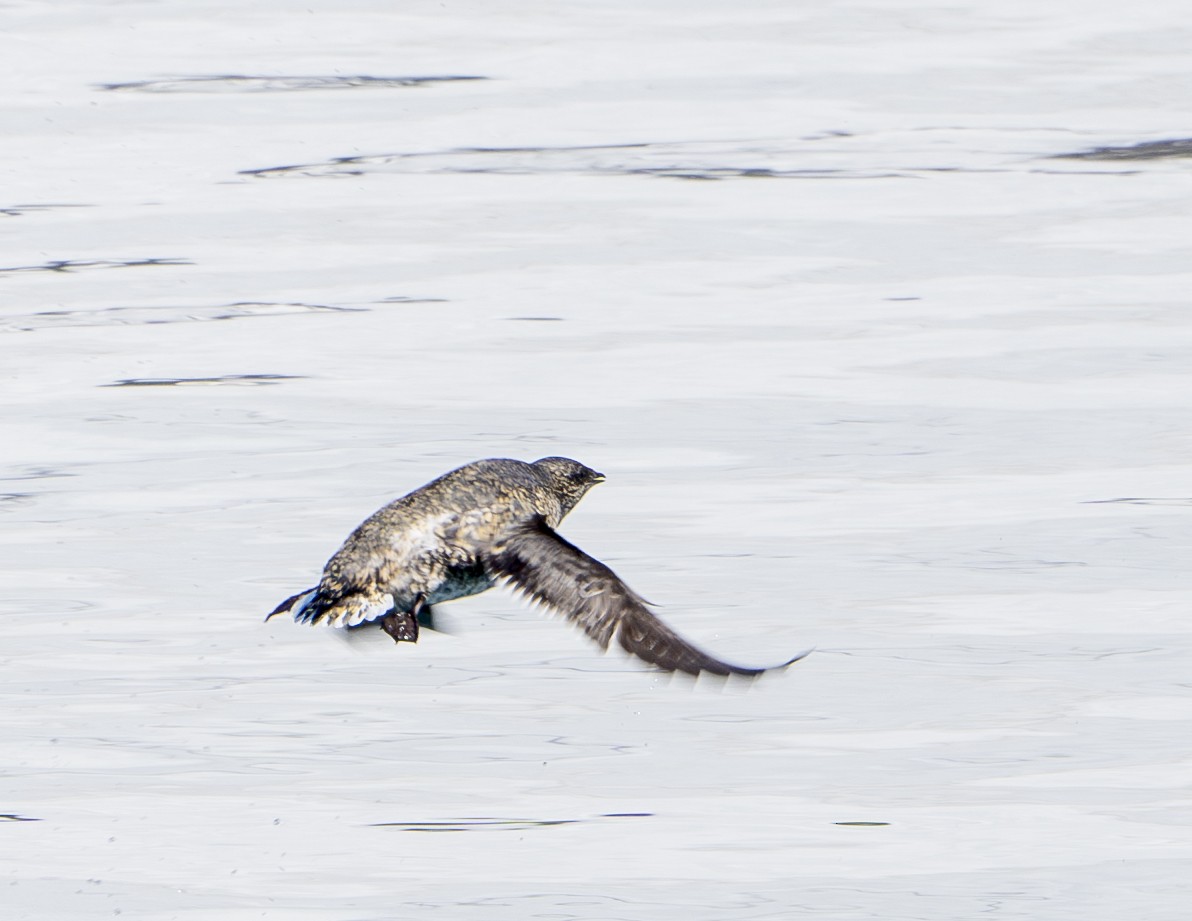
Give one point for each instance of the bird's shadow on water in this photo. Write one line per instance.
(369, 639)
(442, 675)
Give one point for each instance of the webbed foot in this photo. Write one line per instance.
(403, 627)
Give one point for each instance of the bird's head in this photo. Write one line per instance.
(570, 478)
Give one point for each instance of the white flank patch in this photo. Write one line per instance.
(363, 611)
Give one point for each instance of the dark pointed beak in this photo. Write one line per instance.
(598, 477)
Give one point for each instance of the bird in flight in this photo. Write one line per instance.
(488, 521)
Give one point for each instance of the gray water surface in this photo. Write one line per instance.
(876, 317)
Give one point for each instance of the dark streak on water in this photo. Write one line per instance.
(488, 160)
(243, 379)
(18, 210)
(155, 315)
(1157, 500)
(498, 824)
(728, 172)
(347, 166)
(243, 83)
(1147, 150)
(72, 265)
(473, 824)
(300, 304)
(38, 473)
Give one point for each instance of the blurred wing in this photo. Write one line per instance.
(560, 576)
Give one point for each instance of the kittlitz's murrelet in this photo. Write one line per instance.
(489, 520)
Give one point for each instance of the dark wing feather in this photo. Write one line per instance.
(286, 606)
(549, 570)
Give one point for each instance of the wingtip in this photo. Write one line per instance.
(802, 655)
(750, 674)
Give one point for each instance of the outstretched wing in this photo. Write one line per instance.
(560, 576)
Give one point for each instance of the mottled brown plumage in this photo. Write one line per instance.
(489, 520)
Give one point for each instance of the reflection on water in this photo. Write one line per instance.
(1146, 150)
(18, 210)
(73, 265)
(498, 824)
(129, 316)
(828, 155)
(676, 160)
(240, 83)
(1182, 500)
(236, 379)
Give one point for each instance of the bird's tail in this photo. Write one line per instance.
(299, 605)
(339, 609)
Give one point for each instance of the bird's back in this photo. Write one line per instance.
(494, 492)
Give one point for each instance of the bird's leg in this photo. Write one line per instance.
(426, 618)
(424, 614)
(403, 625)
